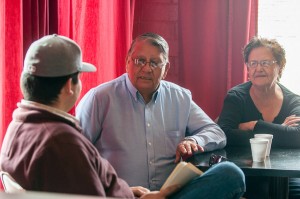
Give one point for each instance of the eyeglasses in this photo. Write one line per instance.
(262, 63)
(140, 62)
(215, 159)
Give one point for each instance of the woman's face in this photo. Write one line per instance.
(265, 73)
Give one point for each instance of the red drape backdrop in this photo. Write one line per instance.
(211, 36)
(21, 22)
(102, 28)
(11, 53)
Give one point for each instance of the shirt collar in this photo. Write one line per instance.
(131, 88)
(50, 109)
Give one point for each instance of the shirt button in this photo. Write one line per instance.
(150, 162)
(148, 124)
(149, 143)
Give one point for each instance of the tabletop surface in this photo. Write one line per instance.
(281, 163)
(45, 195)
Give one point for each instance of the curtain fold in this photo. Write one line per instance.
(212, 34)
(21, 23)
(103, 29)
(11, 53)
(39, 18)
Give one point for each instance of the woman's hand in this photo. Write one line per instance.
(291, 121)
(247, 126)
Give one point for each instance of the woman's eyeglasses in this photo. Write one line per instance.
(262, 63)
(215, 159)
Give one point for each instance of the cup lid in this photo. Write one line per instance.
(264, 135)
(259, 140)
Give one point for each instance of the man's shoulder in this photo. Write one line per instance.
(43, 123)
(175, 88)
(110, 86)
(112, 83)
(59, 134)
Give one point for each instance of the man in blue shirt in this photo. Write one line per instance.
(143, 125)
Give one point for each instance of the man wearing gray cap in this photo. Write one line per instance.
(43, 148)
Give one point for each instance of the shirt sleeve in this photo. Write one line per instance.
(88, 114)
(230, 118)
(205, 131)
(283, 136)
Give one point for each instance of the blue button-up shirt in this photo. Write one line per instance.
(140, 139)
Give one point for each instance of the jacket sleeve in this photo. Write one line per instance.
(67, 167)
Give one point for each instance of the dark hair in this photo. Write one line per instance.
(44, 90)
(155, 40)
(276, 49)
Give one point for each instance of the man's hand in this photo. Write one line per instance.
(162, 194)
(186, 148)
(139, 191)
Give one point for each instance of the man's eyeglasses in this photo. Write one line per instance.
(140, 62)
(262, 63)
(215, 159)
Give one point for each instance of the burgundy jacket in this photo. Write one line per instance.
(46, 152)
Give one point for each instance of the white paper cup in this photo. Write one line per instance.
(259, 149)
(266, 136)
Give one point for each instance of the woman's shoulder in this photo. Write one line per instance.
(240, 90)
(287, 91)
(289, 96)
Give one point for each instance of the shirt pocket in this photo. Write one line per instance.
(172, 139)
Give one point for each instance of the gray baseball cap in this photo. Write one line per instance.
(55, 56)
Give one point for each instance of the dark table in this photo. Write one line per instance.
(282, 164)
(45, 195)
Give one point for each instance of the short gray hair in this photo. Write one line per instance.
(155, 40)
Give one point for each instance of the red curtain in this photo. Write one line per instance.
(212, 34)
(39, 18)
(11, 53)
(102, 28)
(21, 22)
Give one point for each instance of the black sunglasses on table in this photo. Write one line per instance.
(215, 159)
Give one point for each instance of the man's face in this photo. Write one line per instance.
(146, 79)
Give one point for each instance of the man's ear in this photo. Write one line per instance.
(68, 87)
(127, 63)
(167, 67)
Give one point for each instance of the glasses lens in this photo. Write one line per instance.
(265, 63)
(153, 64)
(140, 62)
(252, 64)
